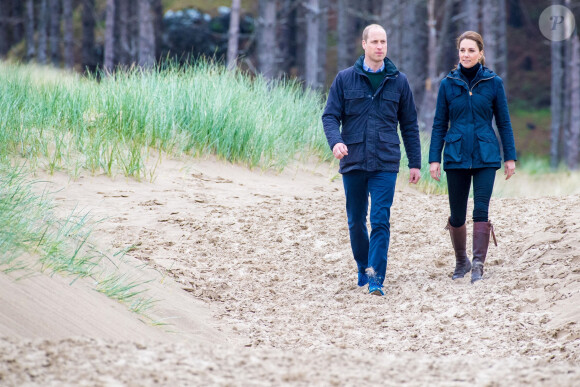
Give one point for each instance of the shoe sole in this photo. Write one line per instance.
(377, 293)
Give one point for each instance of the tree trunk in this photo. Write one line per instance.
(42, 32)
(556, 99)
(234, 34)
(431, 83)
(134, 30)
(567, 67)
(444, 60)
(54, 32)
(286, 59)
(471, 17)
(391, 22)
(4, 30)
(311, 49)
(17, 22)
(323, 41)
(566, 106)
(88, 43)
(30, 46)
(146, 35)
(413, 40)
(502, 49)
(109, 61)
(11, 24)
(494, 27)
(124, 54)
(345, 27)
(267, 38)
(488, 32)
(157, 8)
(67, 14)
(573, 137)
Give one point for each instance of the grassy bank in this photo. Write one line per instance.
(33, 238)
(56, 120)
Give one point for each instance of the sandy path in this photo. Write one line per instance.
(269, 255)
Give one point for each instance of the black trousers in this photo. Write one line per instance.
(459, 184)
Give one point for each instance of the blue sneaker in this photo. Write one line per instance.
(376, 289)
(363, 279)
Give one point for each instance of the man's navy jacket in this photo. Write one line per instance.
(369, 120)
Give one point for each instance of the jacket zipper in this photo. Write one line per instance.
(381, 85)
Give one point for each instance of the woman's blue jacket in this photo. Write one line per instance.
(463, 122)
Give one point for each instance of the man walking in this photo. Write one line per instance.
(369, 100)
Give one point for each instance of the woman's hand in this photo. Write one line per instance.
(509, 168)
(435, 170)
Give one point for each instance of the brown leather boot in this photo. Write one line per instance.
(481, 231)
(458, 240)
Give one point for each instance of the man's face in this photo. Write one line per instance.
(376, 45)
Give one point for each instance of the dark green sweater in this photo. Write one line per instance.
(375, 78)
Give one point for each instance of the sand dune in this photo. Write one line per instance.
(264, 261)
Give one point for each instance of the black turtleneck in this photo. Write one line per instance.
(470, 72)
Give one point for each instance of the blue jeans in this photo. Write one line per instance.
(358, 185)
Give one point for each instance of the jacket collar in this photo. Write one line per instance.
(390, 68)
(482, 73)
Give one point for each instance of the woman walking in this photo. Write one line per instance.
(469, 97)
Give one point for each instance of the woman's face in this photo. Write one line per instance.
(469, 54)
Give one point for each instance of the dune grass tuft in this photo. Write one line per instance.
(29, 228)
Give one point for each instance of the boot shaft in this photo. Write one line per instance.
(481, 233)
(458, 239)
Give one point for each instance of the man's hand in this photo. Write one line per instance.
(414, 175)
(435, 170)
(340, 150)
(509, 168)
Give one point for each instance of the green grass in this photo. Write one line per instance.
(30, 229)
(426, 183)
(531, 131)
(60, 121)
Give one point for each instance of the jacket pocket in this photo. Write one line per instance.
(356, 148)
(388, 148)
(390, 103)
(488, 148)
(452, 151)
(453, 91)
(354, 102)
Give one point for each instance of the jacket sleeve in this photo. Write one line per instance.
(332, 116)
(503, 122)
(407, 116)
(440, 126)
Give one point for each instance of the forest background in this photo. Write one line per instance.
(311, 40)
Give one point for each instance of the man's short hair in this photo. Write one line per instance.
(365, 33)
